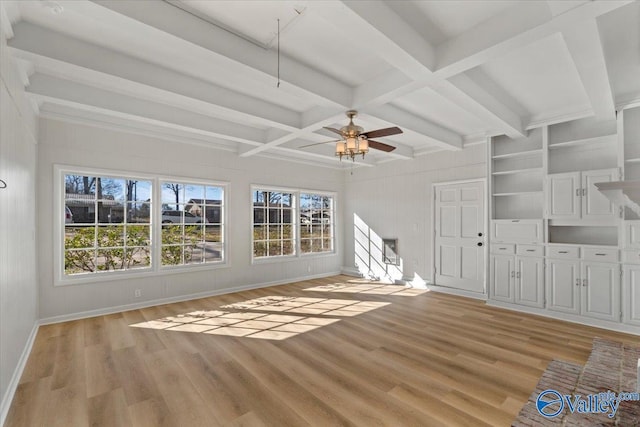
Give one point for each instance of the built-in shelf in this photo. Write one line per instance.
(636, 160)
(609, 139)
(518, 154)
(519, 193)
(515, 171)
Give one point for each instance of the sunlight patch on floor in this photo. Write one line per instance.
(368, 289)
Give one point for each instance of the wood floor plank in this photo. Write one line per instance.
(360, 354)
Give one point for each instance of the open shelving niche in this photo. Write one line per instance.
(517, 176)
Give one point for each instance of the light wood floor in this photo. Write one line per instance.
(422, 359)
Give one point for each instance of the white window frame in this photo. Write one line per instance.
(223, 222)
(296, 192)
(156, 269)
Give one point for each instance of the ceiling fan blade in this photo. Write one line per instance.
(382, 132)
(381, 146)
(334, 130)
(318, 143)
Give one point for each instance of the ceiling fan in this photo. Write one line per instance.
(355, 141)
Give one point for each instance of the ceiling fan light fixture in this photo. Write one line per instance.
(341, 149)
(363, 145)
(351, 144)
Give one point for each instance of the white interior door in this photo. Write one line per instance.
(460, 236)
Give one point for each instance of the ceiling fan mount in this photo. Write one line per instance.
(354, 140)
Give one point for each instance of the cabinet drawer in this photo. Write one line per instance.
(530, 250)
(631, 257)
(503, 249)
(569, 252)
(600, 254)
(516, 230)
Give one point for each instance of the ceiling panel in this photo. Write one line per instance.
(541, 77)
(620, 35)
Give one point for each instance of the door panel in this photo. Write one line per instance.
(600, 287)
(502, 275)
(564, 200)
(563, 286)
(594, 203)
(530, 281)
(459, 259)
(632, 294)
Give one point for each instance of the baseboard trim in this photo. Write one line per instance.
(180, 298)
(602, 324)
(17, 374)
(458, 292)
(350, 271)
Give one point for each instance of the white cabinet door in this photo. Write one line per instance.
(632, 294)
(529, 284)
(594, 204)
(563, 195)
(563, 285)
(600, 290)
(502, 274)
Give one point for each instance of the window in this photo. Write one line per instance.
(276, 232)
(273, 223)
(107, 223)
(192, 226)
(316, 223)
(119, 223)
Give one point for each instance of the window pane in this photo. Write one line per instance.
(305, 245)
(172, 255)
(110, 212)
(327, 244)
(212, 252)
(110, 236)
(108, 188)
(138, 235)
(274, 232)
(79, 261)
(260, 232)
(275, 248)
(109, 259)
(287, 232)
(193, 233)
(288, 247)
(138, 257)
(213, 233)
(259, 249)
(79, 237)
(213, 193)
(171, 234)
(316, 223)
(172, 195)
(82, 211)
(139, 191)
(195, 254)
(139, 213)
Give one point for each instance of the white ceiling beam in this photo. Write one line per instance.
(476, 93)
(585, 46)
(316, 118)
(52, 89)
(515, 27)
(235, 50)
(435, 134)
(60, 55)
(375, 23)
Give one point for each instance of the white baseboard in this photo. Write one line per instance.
(17, 373)
(350, 271)
(459, 292)
(180, 298)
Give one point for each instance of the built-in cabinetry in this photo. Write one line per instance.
(558, 246)
(518, 274)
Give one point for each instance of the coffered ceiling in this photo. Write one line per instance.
(449, 73)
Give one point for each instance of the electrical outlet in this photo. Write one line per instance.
(137, 293)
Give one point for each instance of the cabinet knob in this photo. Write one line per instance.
(479, 243)
(479, 234)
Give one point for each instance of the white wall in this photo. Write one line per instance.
(394, 200)
(18, 280)
(87, 146)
